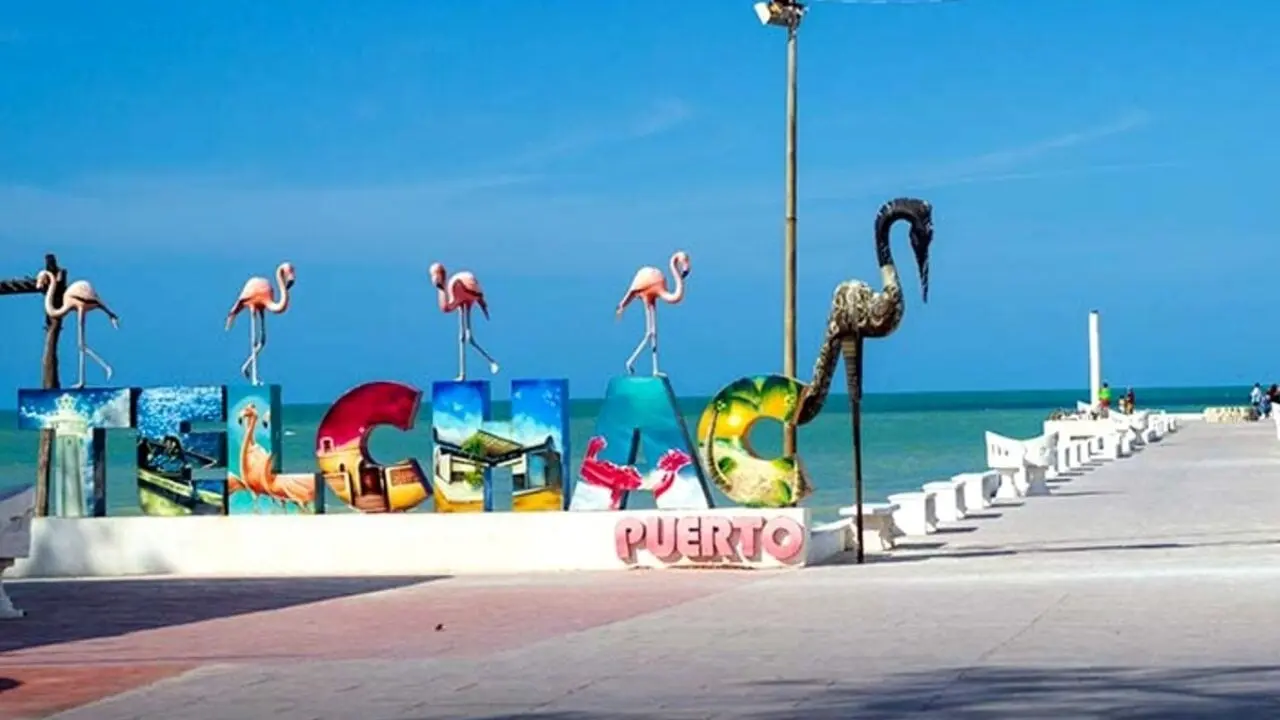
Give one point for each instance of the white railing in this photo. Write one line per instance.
(1017, 469)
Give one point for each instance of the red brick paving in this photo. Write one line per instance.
(476, 620)
(33, 692)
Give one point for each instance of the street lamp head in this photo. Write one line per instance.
(782, 13)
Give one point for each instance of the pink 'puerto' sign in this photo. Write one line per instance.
(710, 538)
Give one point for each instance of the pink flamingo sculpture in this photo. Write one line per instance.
(650, 285)
(259, 297)
(458, 294)
(81, 297)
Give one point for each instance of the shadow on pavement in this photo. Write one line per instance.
(7, 684)
(66, 611)
(1096, 547)
(1000, 693)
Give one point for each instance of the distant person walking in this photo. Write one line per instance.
(1104, 398)
(1255, 398)
(1130, 401)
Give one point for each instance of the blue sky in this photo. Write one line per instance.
(1113, 154)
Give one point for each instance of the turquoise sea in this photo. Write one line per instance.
(908, 439)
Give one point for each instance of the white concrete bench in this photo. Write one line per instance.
(1020, 476)
(977, 488)
(1113, 446)
(16, 511)
(949, 504)
(915, 513)
(879, 532)
(1041, 463)
(1008, 458)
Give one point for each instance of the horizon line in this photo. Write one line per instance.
(900, 393)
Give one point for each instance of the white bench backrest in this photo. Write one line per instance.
(1005, 453)
(1042, 451)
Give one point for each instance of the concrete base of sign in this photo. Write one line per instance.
(398, 544)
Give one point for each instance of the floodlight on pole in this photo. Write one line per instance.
(782, 13)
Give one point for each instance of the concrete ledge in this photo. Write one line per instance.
(878, 529)
(915, 512)
(949, 502)
(400, 544)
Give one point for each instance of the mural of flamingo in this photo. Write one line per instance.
(296, 488)
(650, 285)
(256, 472)
(458, 294)
(81, 297)
(258, 298)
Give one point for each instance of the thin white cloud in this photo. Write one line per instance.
(1001, 165)
(658, 118)
(1106, 169)
(663, 116)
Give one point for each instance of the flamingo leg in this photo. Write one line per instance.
(249, 369)
(260, 345)
(653, 338)
(648, 336)
(80, 346)
(471, 340)
(85, 350)
(462, 344)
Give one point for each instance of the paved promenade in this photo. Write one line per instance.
(1146, 588)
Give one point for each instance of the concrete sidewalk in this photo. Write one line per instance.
(1145, 588)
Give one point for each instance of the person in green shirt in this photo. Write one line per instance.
(1104, 397)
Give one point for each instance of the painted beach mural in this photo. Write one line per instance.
(470, 449)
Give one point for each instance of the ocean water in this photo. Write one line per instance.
(908, 439)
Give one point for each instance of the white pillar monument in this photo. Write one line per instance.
(1095, 358)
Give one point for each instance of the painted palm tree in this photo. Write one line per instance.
(859, 312)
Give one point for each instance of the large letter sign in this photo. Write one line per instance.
(173, 461)
(78, 419)
(640, 419)
(734, 466)
(342, 449)
(468, 445)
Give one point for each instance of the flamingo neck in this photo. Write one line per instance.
(282, 303)
(677, 294)
(444, 297)
(250, 427)
(53, 311)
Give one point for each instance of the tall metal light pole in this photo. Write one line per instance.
(788, 14)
